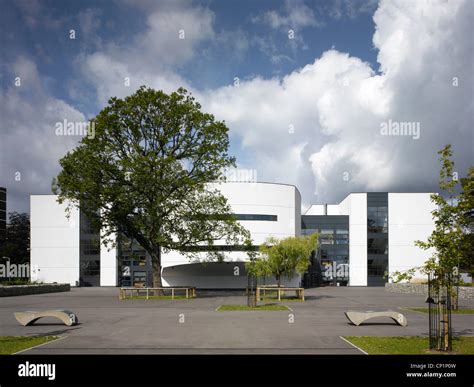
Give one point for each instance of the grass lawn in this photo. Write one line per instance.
(12, 344)
(156, 298)
(406, 345)
(266, 307)
(459, 311)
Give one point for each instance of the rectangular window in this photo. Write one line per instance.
(377, 267)
(90, 268)
(377, 246)
(90, 246)
(326, 240)
(342, 241)
(377, 220)
(269, 218)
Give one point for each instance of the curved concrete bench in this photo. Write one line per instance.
(358, 318)
(30, 317)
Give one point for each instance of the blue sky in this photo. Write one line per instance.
(350, 66)
(51, 49)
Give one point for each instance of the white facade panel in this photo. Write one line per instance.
(355, 205)
(410, 219)
(223, 275)
(320, 209)
(281, 200)
(108, 265)
(332, 209)
(315, 209)
(54, 240)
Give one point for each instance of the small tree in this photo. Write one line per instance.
(449, 215)
(449, 235)
(284, 257)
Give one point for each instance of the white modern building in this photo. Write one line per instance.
(363, 238)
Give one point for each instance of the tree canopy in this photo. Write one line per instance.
(148, 170)
(16, 244)
(284, 257)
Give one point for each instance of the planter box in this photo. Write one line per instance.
(23, 290)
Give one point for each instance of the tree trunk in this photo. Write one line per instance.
(156, 266)
(278, 279)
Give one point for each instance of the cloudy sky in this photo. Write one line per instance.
(305, 87)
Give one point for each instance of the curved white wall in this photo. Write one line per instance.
(284, 201)
(281, 200)
(215, 275)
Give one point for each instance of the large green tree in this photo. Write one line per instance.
(147, 170)
(283, 258)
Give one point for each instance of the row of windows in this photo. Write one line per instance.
(377, 266)
(90, 246)
(249, 217)
(140, 262)
(221, 248)
(325, 231)
(269, 218)
(90, 268)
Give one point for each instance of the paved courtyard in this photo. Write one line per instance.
(108, 325)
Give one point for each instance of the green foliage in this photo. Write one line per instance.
(466, 208)
(407, 275)
(147, 169)
(13, 344)
(284, 257)
(16, 244)
(450, 220)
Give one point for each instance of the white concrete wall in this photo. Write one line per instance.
(54, 240)
(244, 198)
(409, 220)
(318, 209)
(108, 264)
(315, 209)
(256, 198)
(355, 205)
(224, 275)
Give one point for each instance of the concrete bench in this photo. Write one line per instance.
(358, 318)
(30, 317)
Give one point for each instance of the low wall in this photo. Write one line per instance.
(465, 292)
(23, 290)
